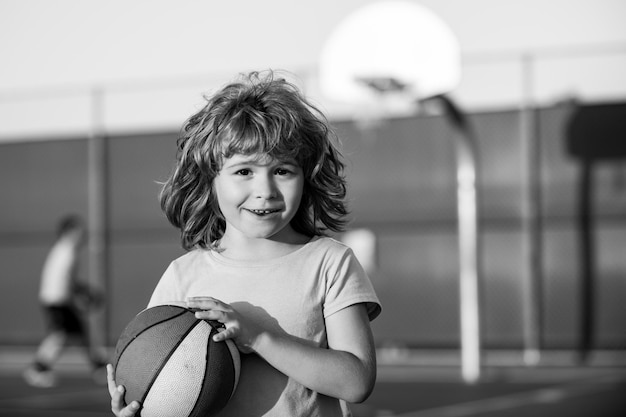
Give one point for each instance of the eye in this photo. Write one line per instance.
(283, 171)
(243, 172)
(287, 170)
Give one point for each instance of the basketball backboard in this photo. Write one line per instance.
(397, 51)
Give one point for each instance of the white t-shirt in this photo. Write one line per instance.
(293, 294)
(57, 275)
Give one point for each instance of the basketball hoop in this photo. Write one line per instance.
(383, 60)
(394, 48)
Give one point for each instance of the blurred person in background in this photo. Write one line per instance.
(65, 302)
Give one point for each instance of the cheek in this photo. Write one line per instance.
(224, 201)
(297, 196)
(220, 196)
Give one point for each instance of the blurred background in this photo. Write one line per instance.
(93, 94)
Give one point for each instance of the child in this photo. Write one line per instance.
(65, 300)
(257, 184)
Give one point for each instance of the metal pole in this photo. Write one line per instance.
(467, 211)
(587, 255)
(97, 207)
(469, 287)
(531, 227)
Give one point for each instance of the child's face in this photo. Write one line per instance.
(259, 196)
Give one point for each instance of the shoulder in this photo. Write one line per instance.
(178, 277)
(334, 256)
(329, 245)
(189, 260)
(190, 256)
(328, 251)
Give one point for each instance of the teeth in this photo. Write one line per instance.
(262, 211)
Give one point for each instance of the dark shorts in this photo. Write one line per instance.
(64, 318)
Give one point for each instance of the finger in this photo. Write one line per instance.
(118, 406)
(226, 333)
(111, 380)
(117, 400)
(130, 410)
(202, 302)
(216, 315)
(200, 299)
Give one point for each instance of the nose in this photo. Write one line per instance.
(265, 187)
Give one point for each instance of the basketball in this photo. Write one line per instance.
(167, 360)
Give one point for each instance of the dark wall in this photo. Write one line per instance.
(402, 186)
(39, 182)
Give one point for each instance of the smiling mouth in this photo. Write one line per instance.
(263, 212)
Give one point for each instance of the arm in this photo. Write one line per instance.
(346, 370)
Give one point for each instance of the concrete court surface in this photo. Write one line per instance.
(409, 388)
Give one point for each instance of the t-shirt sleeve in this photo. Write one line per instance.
(349, 284)
(167, 290)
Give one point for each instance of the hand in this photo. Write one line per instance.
(242, 331)
(118, 405)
